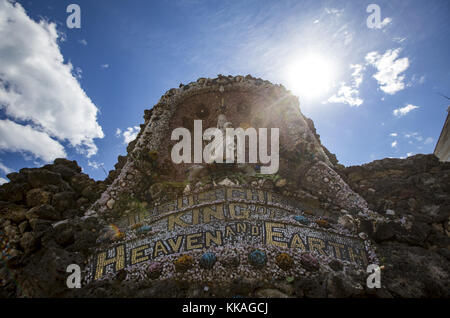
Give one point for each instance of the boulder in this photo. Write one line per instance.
(13, 212)
(64, 200)
(44, 212)
(41, 177)
(29, 242)
(37, 197)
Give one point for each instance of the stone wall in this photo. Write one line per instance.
(140, 232)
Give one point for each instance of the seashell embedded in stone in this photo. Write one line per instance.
(309, 262)
(183, 263)
(257, 258)
(284, 261)
(154, 270)
(208, 260)
(302, 219)
(280, 183)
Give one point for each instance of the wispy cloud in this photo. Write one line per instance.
(4, 168)
(349, 94)
(393, 134)
(94, 164)
(385, 22)
(83, 42)
(104, 66)
(402, 111)
(128, 134)
(389, 68)
(394, 144)
(334, 11)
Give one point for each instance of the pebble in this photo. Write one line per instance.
(362, 235)
(390, 212)
(110, 203)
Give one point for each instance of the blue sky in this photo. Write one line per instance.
(372, 92)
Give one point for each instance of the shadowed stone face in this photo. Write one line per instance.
(193, 207)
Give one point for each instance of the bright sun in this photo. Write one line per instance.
(311, 76)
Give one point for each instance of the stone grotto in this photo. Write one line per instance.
(154, 228)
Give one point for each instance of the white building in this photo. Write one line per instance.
(442, 149)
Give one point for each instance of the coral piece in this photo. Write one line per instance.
(183, 263)
(143, 229)
(208, 260)
(154, 270)
(302, 219)
(284, 261)
(322, 223)
(309, 262)
(257, 258)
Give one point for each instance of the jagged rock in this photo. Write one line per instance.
(384, 232)
(29, 242)
(13, 192)
(24, 226)
(80, 181)
(339, 286)
(39, 225)
(13, 212)
(64, 201)
(41, 177)
(65, 237)
(37, 197)
(44, 211)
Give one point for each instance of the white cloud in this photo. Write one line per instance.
(94, 164)
(4, 168)
(129, 134)
(393, 134)
(399, 39)
(357, 74)
(3, 181)
(20, 138)
(346, 95)
(389, 68)
(429, 140)
(83, 41)
(385, 22)
(37, 87)
(394, 144)
(402, 111)
(78, 72)
(409, 154)
(334, 11)
(104, 65)
(349, 94)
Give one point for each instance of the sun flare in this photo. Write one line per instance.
(310, 76)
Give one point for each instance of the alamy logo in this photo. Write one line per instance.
(223, 148)
(74, 279)
(374, 279)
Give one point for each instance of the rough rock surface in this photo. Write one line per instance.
(45, 229)
(54, 216)
(413, 238)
